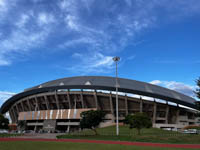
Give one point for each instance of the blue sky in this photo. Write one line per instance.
(42, 40)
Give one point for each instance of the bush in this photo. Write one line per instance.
(192, 127)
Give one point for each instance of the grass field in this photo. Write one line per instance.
(147, 135)
(27, 145)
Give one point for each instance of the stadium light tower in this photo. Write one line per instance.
(116, 59)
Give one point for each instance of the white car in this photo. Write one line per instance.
(3, 131)
(190, 131)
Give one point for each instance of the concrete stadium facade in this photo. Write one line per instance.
(56, 105)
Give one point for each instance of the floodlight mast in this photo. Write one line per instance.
(116, 59)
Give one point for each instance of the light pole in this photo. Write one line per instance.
(116, 59)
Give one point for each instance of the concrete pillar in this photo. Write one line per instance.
(17, 108)
(28, 102)
(69, 100)
(11, 115)
(82, 103)
(15, 115)
(126, 104)
(75, 101)
(166, 114)
(141, 105)
(111, 103)
(22, 106)
(46, 102)
(36, 103)
(154, 111)
(57, 102)
(96, 100)
(177, 114)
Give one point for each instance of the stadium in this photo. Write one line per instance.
(57, 104)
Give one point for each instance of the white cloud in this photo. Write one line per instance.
(95, 62)
(3, 5)
(23, 20)
(4, 95)
(156, 82)
(131, 57)
(44, 18)
(71, 22)
(22, 40)
(4, 62)
(65, 4)
(99, 26)
(177, 86)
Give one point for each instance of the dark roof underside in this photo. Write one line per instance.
(104, 83)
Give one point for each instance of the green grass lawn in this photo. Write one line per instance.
(27, 145)
(147, 135)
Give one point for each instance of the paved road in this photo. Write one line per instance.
(191, 146)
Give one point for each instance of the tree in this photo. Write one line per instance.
(3, 122)
(198, 89)
(91, 119)
(138, 121)
(197, 92)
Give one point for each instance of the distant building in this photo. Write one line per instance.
(56, 105)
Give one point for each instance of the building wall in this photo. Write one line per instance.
(50, 105)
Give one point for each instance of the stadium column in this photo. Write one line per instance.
(126, 104)
(154, 111)
(36, 104)
(82, 98)
(28, 102)
(15, 114)
(177, 114)
(22, 105)
(141, 105)
(69, 100)
(166, 114)
(111, 106)
(17, 108)
(96, 100)
(57, 102)
(46, 102)
(11, 115)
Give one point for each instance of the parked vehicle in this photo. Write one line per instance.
(28, 131)
(190, 131)
(3, 131)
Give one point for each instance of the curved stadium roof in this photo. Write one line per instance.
(104, 83)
